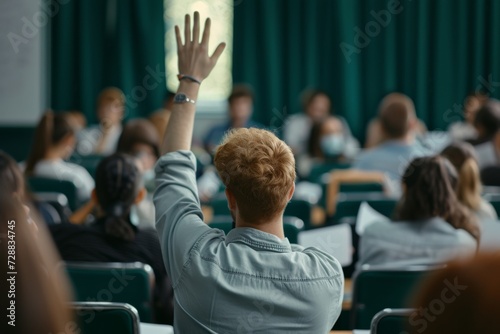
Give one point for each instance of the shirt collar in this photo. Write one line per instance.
(258, 240)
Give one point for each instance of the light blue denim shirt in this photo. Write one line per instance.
(246, 282)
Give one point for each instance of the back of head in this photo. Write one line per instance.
(460, 299)
(40, 286)
(51, 130)
(429, 193)
(396, 114)
(487, 120)
(259, 169)
(139, 131)
(463, 158)
(11, 178)
(118, 183)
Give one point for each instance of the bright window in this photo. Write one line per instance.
(217, 86)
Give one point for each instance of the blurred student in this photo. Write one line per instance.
(140, 140)
(54, 142)
(221, 280)
(103, 137)
(460, 299)
(487, 124)
(431, 224)
(42, 290)
(462, 157)
(240, 111)
(326, 144)
(317, 107)
(465, 130)
(160, 117)
(115, 236)
(397, 122)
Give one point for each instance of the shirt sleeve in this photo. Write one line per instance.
(179, 220)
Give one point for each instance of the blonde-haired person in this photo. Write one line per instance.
(462, 156)
(253, 279)
(103, 138)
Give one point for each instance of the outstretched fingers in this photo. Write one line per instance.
(218, 51)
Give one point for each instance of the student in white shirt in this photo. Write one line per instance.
(54, 142)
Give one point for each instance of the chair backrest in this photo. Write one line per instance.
(106, 318)
(318, 170)
(391, 321)
(350, 207)
(65, 187)
(131, 283)
(89, 162)
(16, 140)
(376, 288)
(291, 226)
(296, 208)
(361, 187)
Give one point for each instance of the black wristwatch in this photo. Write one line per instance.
(182, 98)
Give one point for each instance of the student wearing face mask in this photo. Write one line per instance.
(328, 142)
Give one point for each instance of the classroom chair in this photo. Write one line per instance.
(391, 321)
(106, 318)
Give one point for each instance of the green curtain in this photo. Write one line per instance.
(101, 43)
(436, 51)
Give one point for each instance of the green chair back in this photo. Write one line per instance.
(106, 318)
(48, 185)
(361, 187)
(318, 170)
(350, 207)
(130, 283)
(89, 162)
(296, 208)
(391, 321)
(378, 288)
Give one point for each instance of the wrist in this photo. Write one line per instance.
(189, 88)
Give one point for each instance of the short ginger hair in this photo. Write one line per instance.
(259, 169)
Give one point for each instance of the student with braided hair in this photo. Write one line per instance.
(114, 237)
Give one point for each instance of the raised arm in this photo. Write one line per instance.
(194, 63)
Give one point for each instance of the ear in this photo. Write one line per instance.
(140, 195)
(231, 201)
(290, 193)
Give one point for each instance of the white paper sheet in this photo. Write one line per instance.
(367, 216)
(335, 240)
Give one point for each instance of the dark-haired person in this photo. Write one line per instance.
(40, 289)
(397, 120)
(240, 111)
(488, 153)
(317, 107)
(431, 224)
(465, 130)
(222, 281)
(54, 142)
(460, 299)
(102, 138)
(114, 237)
(140, 139)
(487, 122)
(469, 186)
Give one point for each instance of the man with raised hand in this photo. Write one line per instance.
(252, 280)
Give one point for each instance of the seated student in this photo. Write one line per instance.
(160, 117)
(487, 124)
(103, 137)
(221, 281)
(488, 153)
(460, 299)
(140, 139)
(240, 110)
(465, 130)
(42, 290)
(431, 226)
(397, 121)
(54, 141)
(462, 157)
(114, 237)
(376, 134)
(317, 106)
(326, 144)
